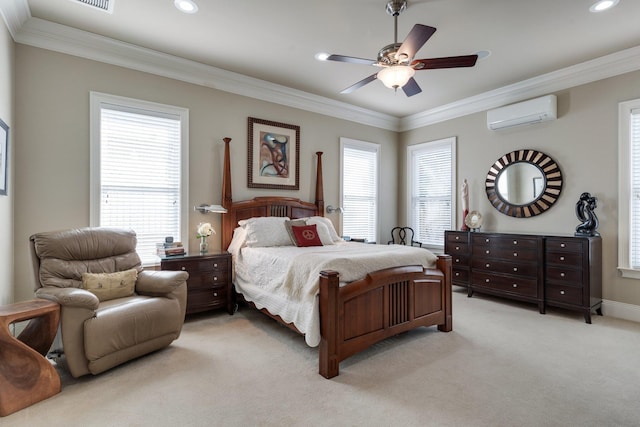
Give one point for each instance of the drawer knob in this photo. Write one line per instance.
(561, 274)
(561, 292)
(487, 265)
(486, 280)
(562, 245)
(486, 240)
(215, 265)
(457, 273)
(515, 285)
(457, 237)
(183, 268)
(515, 254)
(457, 248)
(457, 259)
(487, 251)
(561, 258)
(215, 278)
(515, 242)
(515, 268)
(215, 294)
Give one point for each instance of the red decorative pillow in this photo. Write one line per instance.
(306, 235)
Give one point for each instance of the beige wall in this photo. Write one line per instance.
(52, 160)
(583, 141)
(7, 202)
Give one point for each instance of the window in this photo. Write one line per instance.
(431, 184)
(139, 169)
(629, 189)
(359, 188)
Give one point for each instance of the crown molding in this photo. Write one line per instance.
(60, 38)
(15, 13)
(604, 67)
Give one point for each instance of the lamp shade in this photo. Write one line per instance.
(396, 76)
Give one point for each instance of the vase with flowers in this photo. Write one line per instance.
(204, 231)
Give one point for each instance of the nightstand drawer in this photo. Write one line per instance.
(207, 278)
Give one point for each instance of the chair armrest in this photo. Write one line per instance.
(69, 297)
(160, 282)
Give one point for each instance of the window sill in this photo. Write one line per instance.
(629, 273)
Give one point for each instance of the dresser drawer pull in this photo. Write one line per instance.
(215, 265)
(457, 259)
(215, 278)
(562, 245)
(215, 294)
(515, 254)
(515, 268)
(183, 268)
(561, 292)
(457, 237)
(561, 274)
(515, 285)
(487, 265)
(561, 258)
(486, 240)
(457, 273)
(515, 242)
(487, 251)
(457, 248)
(487, 280)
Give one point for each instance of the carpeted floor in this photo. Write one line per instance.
(504, 364)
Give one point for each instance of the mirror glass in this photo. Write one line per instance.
(520, 183)
(524, 183)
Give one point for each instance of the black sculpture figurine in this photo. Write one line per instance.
(584, 210)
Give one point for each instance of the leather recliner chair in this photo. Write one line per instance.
(99, 333)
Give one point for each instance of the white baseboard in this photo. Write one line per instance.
(621, 310)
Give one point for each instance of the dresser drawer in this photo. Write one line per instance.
(565, 259)
(513, 242)
(460, 275)
(454, 237)
(512, 254)
(563, 245)
(499, 266)
(460, 260)
(510, 284)
(564, 275)
(457, 248)
(564, 294)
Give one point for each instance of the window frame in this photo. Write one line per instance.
(431, 145)
(625, 170)
(364, 146)
(97, 102)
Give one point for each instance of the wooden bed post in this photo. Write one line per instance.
(444, 265)
(319, 185)
(227, 199)
(328, 350)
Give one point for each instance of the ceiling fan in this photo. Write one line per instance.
(396, 59)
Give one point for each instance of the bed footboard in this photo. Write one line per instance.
(385, 303)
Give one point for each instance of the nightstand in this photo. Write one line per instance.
(209, 285)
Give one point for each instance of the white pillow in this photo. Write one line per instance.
(328, 224)
(323, 233)
(266, 231)
(239, 240)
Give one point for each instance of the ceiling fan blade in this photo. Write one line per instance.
(411, 87)
(416, 38)
(448, 62)
(360, 83)
(351, 59)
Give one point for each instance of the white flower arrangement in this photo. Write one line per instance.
(205, 230)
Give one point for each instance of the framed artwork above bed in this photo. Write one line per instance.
(274, 155)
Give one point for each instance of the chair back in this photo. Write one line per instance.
(402, 236)
(60, 257)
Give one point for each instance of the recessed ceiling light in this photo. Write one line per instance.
(321, 56)
(602, 5)
(186, 6)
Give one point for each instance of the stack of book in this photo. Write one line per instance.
(169, 249)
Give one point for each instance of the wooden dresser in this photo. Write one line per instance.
(209, 284)
(546, 270)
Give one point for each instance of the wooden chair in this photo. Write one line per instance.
(403, 236)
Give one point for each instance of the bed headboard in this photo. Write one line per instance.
(264, 206)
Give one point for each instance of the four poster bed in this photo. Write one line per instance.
(354, 314)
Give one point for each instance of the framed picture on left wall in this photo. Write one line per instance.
(4, 156)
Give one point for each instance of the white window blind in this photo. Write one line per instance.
(359, 189)
(140, 164)
(635, 187)
(431, 186)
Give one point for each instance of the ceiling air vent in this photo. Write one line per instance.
(103, 5)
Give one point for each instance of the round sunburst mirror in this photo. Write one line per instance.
(524, 183)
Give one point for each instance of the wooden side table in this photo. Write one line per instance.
(26, 376)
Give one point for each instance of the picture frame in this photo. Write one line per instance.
(4, 157)
(273, 155)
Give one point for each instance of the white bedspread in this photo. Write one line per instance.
(285, 280)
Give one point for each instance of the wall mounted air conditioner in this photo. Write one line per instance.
(523, 113)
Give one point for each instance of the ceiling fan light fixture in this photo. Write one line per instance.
(395, 76)
(602, 5)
